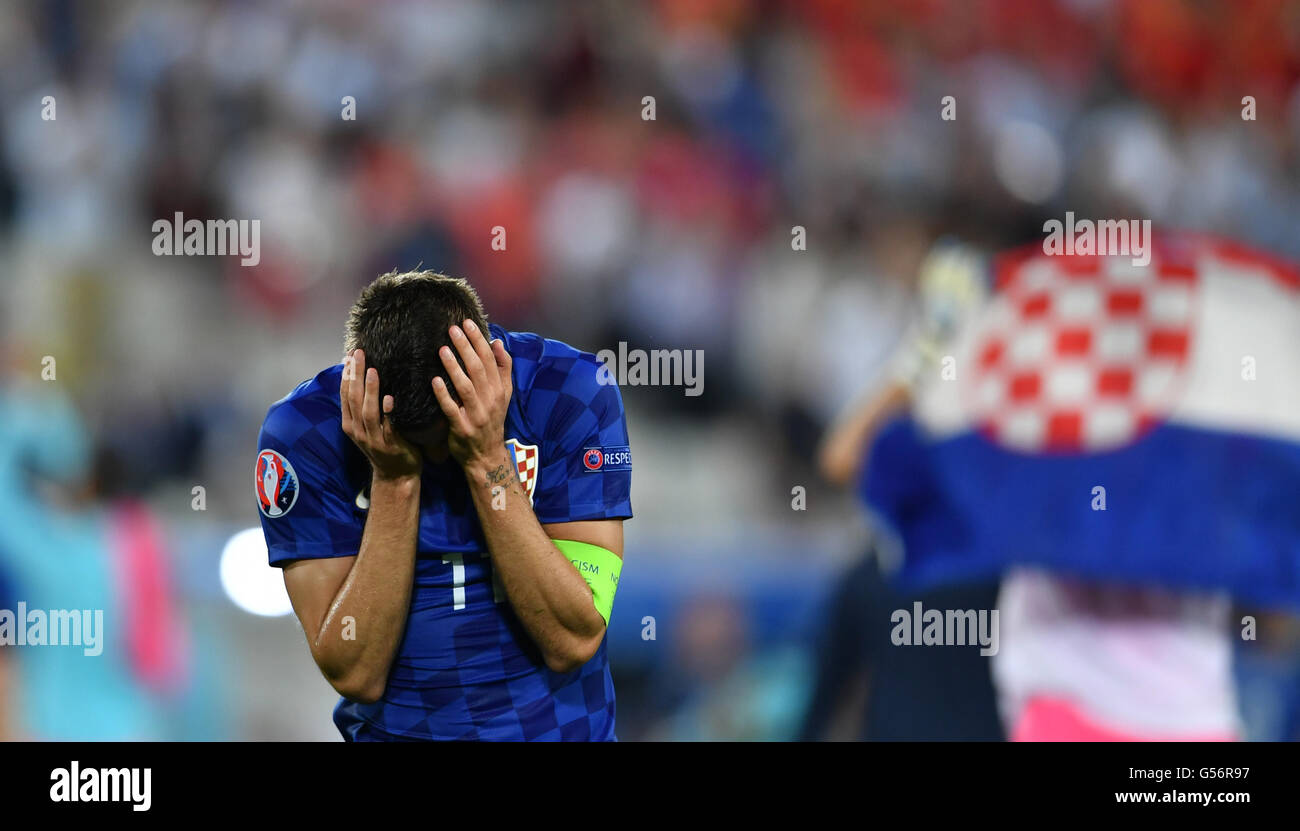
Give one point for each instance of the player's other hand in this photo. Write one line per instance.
(476, 432)
(390, 455)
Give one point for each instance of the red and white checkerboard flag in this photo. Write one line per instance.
(1114, 420)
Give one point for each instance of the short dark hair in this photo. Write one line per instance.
(401, 321)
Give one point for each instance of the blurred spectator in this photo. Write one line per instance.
(1268, 675)
(719, 689)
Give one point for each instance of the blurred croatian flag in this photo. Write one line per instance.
(1138, 424)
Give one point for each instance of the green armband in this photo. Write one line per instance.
(600, 567)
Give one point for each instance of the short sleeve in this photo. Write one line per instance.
(894, 448)
(306, 507)
(585, 470)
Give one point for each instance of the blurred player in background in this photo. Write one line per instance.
(68, 542)
(1078, 660)
(448, 512)
(938, 693)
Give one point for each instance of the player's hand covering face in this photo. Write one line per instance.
(477, 424)
(390, 455)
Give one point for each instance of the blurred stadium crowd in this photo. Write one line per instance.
(666, 232)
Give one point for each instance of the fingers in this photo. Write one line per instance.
(475, 368)
(386, 424)
(459, 380)
(357, 386)
(370, 404)
(345, 384)
(359, 400)
(352, 392)
(503, 361)
(447, 404)
(482, 349)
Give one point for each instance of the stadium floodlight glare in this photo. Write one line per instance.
(249, 582)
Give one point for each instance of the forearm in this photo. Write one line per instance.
(359, 634)
(844, 448)
(549, 596)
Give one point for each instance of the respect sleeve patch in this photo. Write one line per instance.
(599, 459)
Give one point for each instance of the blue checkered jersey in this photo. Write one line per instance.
(466, 668)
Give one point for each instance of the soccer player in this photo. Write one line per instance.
(447, 507)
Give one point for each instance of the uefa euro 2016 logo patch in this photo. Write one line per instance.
(276, 483)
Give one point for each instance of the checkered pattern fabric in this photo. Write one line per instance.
(1081, 353)
(466, 669)
(525, 456)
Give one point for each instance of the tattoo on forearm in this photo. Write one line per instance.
(498, 476)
